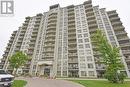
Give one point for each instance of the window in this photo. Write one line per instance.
(84, 30)
(82, 58)
(87, 46)
(79, 35)
(88, 51)
(80, 41)
(90, 65)
(79, 31)
(91, 73)
(112, 38)
(80, 46)
(83, 73)
(110, 33)
(89, 58)
(82, 65)
(86, 35)
(64, 73)
(86, 40)
(81, 52)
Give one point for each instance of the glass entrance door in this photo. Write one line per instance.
(47, 72)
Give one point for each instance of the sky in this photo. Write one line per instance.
(24, 8)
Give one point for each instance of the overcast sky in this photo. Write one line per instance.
(25, 8)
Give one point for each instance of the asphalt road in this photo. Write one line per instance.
(40, 82)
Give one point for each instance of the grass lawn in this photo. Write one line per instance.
(98, 83)
(19, 83)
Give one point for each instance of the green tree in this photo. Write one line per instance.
(17, 60)
(111, 57)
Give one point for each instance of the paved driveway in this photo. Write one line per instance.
(40, 82)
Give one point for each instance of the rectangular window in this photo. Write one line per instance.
(89, 58)
(81, 46)
(80, 41)
(86, 40)
(84, 30)
(87, 46)
(79, 35)
(91, 73)
(86, 35)
(79, 31)
(83, 73)
(90, 65)
(88, 51)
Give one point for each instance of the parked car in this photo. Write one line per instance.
(6, 79)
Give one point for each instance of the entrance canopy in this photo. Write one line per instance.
(45, 62)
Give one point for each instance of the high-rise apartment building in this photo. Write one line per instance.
(58, 41)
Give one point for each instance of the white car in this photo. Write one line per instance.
(6, 79)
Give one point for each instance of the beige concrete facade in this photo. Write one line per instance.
(58, 41)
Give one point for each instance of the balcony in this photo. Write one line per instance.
(34, 35)
(36, 24)
(90, 14)
(27, 18)
(73, 38)
(92, 21)
(52, 21)
(38, 21)
(96, 53)
(72, 67)
(71, 14)
(48, 51)
(11, 40)
(31, 48)
(25, 24)
(35, 31)
(71, 21)
(8, 47)
(71, 9)
(48, 56)
(116, 23)
(18, 45)
(115, 19)
(72, 34)
(31, 43)
(126, 51)
(71, 25)
(49, 45)
(6, 51)
(127, 59)
(118, 28)
(51, 32)
(112, 14)
(125, 45)
(38, 17)
(71, 29)
(92, 30)
(88, 3)
(72, 48)
(122, 38)
(121, 33)
(71, 18)
(52, 17)
(51, 28)
(51, 25)
(30, 53)
(93, 26)
(19, 41)
(72, 60)
(72, 54)
(32, 39)
(89, 9)
(50, 36)
(49, 40)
